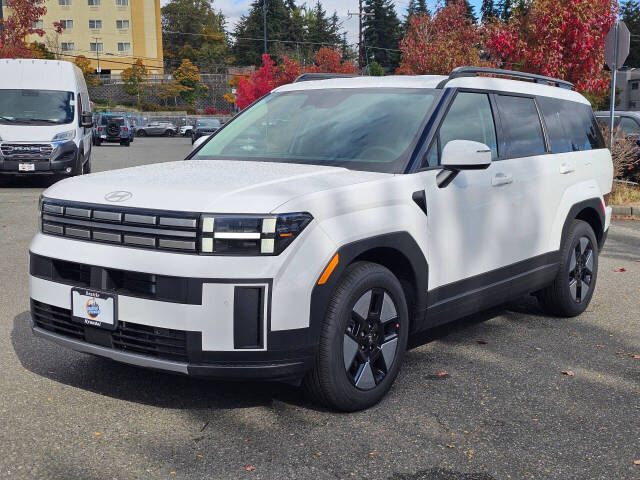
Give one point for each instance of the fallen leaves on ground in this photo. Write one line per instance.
(97, 434)
(442, 373)
(599, 345)
(637, 357)
(568, 373)
(249, 468)
(620, 270)
(636, 462)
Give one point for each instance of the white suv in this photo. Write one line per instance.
(312, 236)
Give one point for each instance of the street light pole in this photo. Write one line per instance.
(264, 23)
(361, 14)
(95, 39)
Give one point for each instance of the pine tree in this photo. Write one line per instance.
(416, 7)
(630, 13)
(504, 9)
(488, 10)
(382, 33)
(250, 26)
(470, 10)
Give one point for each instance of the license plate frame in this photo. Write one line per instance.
(26, 167)
(94, 308)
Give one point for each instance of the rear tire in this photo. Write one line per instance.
(362, 340)
(571, 291)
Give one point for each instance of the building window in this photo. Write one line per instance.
(95, 24)
(122, 3)
(634, 85)
(68, 46)
(96, 47)
(66, 24)
(64, 3)
(124, 47)
(122, 24)
(39, 25)
(93, 3)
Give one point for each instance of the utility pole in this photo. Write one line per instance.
(264, 23)
(95, 39)
(1, 17)
(361, 14)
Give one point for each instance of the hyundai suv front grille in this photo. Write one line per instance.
(151, 229)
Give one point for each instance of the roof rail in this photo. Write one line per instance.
(475, 71)
(308, 77)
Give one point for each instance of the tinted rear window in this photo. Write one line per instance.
(521, 124)
(571, 126)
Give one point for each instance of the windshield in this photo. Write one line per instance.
(208, 123)
(361, 129)
(35, 107)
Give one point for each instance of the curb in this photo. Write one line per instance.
(624, 211)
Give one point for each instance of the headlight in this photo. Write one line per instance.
(250, 234)
(64, 136)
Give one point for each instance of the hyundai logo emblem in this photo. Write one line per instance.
(118, 196)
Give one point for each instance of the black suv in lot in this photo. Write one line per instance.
(204, 127)
(112, 128)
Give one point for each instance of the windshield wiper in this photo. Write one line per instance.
(44, 120)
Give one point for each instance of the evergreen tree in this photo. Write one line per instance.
(630, 13)
(248, 51)
(488, 10)
(504, 9)
(416, 7)
(382, 33)
(470, 10)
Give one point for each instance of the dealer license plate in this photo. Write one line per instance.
(94, 308)
(26, 167)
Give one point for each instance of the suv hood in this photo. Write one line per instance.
(215, 186)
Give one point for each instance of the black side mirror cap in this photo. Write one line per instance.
(86, 120)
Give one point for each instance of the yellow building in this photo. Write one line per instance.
(110, 33)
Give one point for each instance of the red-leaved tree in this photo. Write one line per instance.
(435, 45)
(19, 24)
(562, 39)
(270, 75)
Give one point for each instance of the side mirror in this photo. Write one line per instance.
(86, 120)
(460, 155)
(199, 142)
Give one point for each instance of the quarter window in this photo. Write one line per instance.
(571, 126)
(522, 126)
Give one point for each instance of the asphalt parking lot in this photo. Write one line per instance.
(502, 410)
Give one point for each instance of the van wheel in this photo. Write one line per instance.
(571, 291)
(362, 340)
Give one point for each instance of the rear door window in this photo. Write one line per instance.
(522, 127)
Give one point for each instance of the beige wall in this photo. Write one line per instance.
(144, 33)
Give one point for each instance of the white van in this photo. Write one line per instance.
(45, 118)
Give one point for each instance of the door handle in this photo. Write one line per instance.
(501, 179)
(567, 168)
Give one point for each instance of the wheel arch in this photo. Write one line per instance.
(396, 251)
(589, 211)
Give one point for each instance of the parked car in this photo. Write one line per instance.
(627, 123)
(205, 127)
(113, 128)
(377, 208)
(45, 118)
(186, 130)
(158, 129)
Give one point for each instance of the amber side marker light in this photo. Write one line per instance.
(329, 270)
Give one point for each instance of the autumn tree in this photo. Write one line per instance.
(134, 79)
(15, 29)
(488, 10)
(438, 44)
(558, 39)
(328, 60)
(84, 65)
(187, 76)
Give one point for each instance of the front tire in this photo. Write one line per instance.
(362, 340)
(142, 133)
(571, 291)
